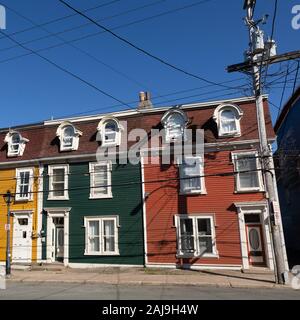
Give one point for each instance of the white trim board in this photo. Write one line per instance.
(196, 266)
(128, 112)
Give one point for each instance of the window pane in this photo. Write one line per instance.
(204, 227)
(186, 235)
(23, 184)
(58, 182)
(100, 180)
(68, 136)
(248, 175)
(190, 170)
(110, 131)
(109, 235)
(93, 233)
(58, 175)
(228, 121)
(205, 245)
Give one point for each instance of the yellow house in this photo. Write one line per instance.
(23, 184)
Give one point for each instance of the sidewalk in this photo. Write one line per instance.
(147, 276)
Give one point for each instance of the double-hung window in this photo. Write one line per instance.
(196, 236)
(24, 185)
(191, 172)
(100, 180)
(101, 235)
(248, 172)
(58, 182)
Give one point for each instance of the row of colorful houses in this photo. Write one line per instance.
(73, 208)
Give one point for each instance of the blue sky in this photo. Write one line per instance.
(202, 39)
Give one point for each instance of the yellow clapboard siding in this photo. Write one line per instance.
(8, 182)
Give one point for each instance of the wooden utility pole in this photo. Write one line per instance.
(260, 54)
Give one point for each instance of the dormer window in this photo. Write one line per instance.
(15, 144)
(228, 118)
(68, 136)
(110, 132)
(174, 122)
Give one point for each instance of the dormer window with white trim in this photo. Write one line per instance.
(227, 117)
(68, 136)
(15, 144)
(174, 122)
(110, 132)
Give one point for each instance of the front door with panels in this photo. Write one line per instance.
(22, 241)
(58, 235)
(255, 241)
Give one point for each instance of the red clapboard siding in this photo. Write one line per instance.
(164, 202)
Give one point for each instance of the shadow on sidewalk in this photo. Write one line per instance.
(237, 276)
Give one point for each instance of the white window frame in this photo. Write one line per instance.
(238, 187)
(60, 134)
(218, 119)
(108, 165)
(22, 144)
(101, 220)
(202, 189)
(51, 168)
(165, 123)
(196, 253)
(30, 185)
(101, 132)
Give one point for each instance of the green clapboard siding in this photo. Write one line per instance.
(126, 203)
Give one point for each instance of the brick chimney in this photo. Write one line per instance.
(145, 101)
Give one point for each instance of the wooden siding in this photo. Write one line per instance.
(164, 202)
(8, 182)
(126, 203)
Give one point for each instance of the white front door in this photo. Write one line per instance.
(22, 241)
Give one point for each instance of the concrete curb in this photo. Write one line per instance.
(153, 283)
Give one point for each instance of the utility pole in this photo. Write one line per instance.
(262, 53)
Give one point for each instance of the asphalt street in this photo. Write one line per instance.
(73, 291)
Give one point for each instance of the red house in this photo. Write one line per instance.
(213, 213)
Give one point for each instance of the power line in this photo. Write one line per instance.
(99, 33)
(65, 70)
(80, 50)
(61, 18)
(296, 77)
(141, 49)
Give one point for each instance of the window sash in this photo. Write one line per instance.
(100, 180)
(58, 182)
(102, 239)
(194, 241)
(191, 176)
(248, 176)
(24, 184)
